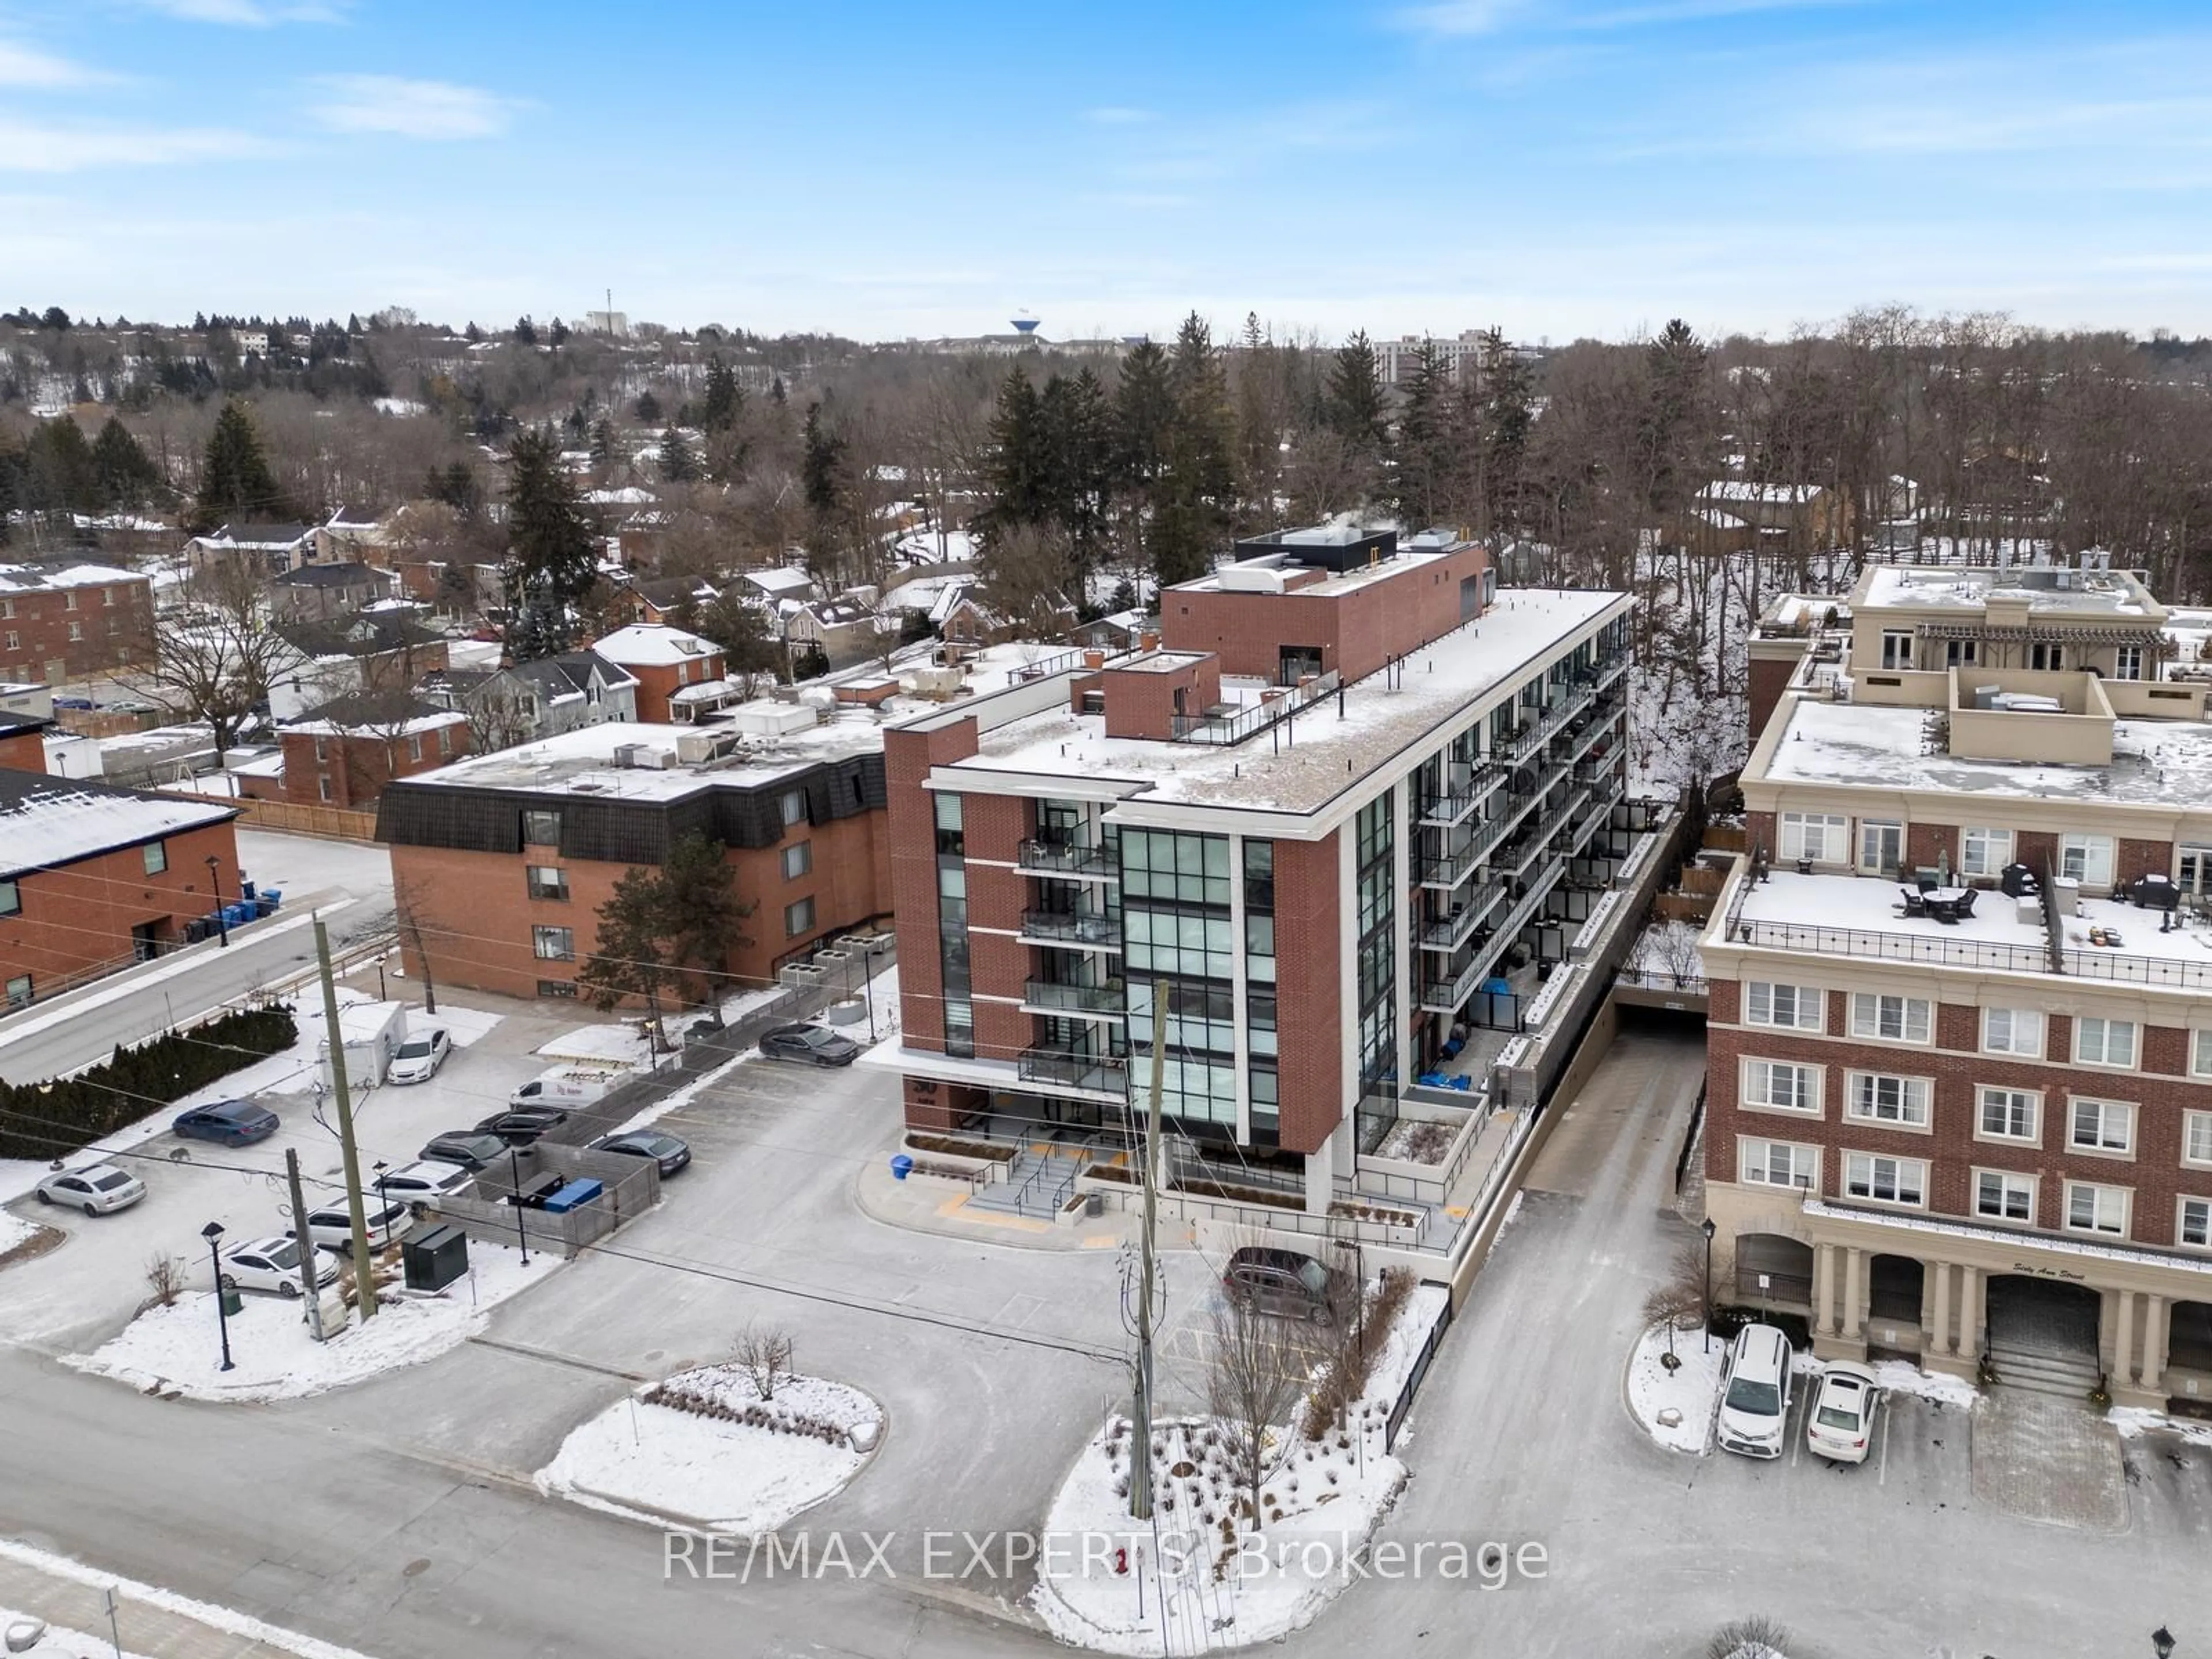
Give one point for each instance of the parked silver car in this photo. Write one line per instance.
(96, 1189)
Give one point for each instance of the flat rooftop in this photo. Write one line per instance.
(1860, 917)
(582, 761)
(2154, 763)
(1321, 751)
(2114, 593)
(1409, 558)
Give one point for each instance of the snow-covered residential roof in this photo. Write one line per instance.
(625, 496)
(582, 761)
(784, 582)
(1742, 490)
(652, 645)
(2111, 593)
(351, 574)
(31, 578)
(375, 713)
(46, 822)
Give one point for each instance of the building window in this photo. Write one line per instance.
(553, 944)
(68, 600)
(1896, 648)
(1793, 1007)
(76, 630)
(414, 747)
(2087, 859)
(1777, 1085)
(1891, 1020)
(547, 881)
(107, 596)
(952, 838)
(2012, 1031)
(11, 899)
(541, 829)
(2200, 1054)
(19, 991)
(2193, 1225)
(445, 739)
(794, 808)
(2102, 1126)
(2091, 1209)
(2196, 1138)
(1984, 852)
(1961, 653)
(2046, 656)
(1872, 1098)
(2127, 663)
(1819, 838)
(2000, 1195)
(14, 641)
(2008, 1114)
(797, 859)
(322, 750)
(323, 788)
(1882, 846)
(2195, 862)
(1886, 1179)
(1778, 1163)
(7, 607)
(798, 918)
(155, 854)
(558, 987)
(2104, 1042)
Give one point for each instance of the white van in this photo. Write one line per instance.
(1755, 1394)
(568, 1086)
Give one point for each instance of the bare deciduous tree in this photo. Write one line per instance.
(1254, 1375)
(413, 915)
(214, 659)
(165, 1278)
(1678, 1301)
(763, 1352)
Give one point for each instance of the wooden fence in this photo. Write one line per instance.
(337, 823)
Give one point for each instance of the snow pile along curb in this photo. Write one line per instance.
(1675, 1409)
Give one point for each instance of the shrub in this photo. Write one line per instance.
(51, 1120)
(165, 1276)
(1748, 1638)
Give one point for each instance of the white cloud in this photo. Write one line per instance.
(1491, 16)
(38, 147)
(413, 109)
(22, 67)
(250, 14)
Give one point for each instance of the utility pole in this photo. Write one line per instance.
(1140, 1464)
(308, 1289)
(364, 1281)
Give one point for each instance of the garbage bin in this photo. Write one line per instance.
(233, 1302)
(1094, 1204)
(901, 1167)
(433, 1260)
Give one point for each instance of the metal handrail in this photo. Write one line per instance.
(1250, 722)
(1072, 857)
(1102, 1073)
(1084, 927)
(1107, 998)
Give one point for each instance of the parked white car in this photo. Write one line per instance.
(332, 1227)
(420, 1181)
(417, 1059)
(1755, 1393)
(96, 1189)
(272, 1264)
(1840, 1425)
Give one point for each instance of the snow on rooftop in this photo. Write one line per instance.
(652, 645)
(2154, 763)
(1328, 750)
(582, 761)
(28, 579)
(60, 821)
(2087, 590)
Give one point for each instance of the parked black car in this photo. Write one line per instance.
(814, 1045)
(1284, 1282)
(522, 1125)
(668, 1151)
(470, 1148)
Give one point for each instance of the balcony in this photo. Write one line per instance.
(1065, 857)
(1450, 996)
(1046, 997)
(1080, 927)
(1450, 870)
(1231, 724)
(1455, 930)
(1100, 1074)
(1452, 807)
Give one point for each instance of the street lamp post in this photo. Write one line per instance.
(2161, 1641)
(521, 1233)
(383, 1202)
(211, 1233)
(1708, 1229)
(215, 881)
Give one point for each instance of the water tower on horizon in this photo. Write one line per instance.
(1024, 324)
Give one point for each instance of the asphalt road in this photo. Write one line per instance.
(398, 1518)
(353, 886)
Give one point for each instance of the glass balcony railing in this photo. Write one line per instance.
(1107, 1074)
(1065, 857)
(1107, 998)
(1074, 927)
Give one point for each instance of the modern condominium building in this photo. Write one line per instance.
(1345, 786)
(1960, 1038)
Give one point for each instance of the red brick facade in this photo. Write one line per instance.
(351, 770)
(23, 749)
(1311, 995)
(52, 634)
(78, 917)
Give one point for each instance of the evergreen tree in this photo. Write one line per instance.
(235, 481)
(648, 409)
(526, 331)
(128, 477)
(557, 336)
(1078, 430)
(58, 473)
(776, 394)
(1016, 485)
(724, 400)
(1429, 440)
(677, 463)
(1508, 406)
(821, 465)
(703, 913)
(550, 562)
(1674, 417)
(1354, 409)
(457, 487)
(603, 442)
(473, 335)
(1190, 514)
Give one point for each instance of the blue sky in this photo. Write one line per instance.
(1590, 166)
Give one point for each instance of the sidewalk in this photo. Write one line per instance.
(154, 1624)
(935, 1207)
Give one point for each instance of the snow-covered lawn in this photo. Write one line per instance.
(1676, 1407)
(1100, 1582)
(748, 1473)
(178, 1347)
(57, 1643)
(2134, 1421)
(13, 1230)
(1896, 1376)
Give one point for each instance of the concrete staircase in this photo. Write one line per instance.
(2066, 1374)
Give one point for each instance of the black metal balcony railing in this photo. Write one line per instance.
(1454, 931)
(1065, 857)
(1235, 726)
(1100, 1073)
(1084, 928)
(1449, 807)
(1107, 998)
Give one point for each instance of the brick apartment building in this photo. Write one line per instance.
(23, 743)
(345, 753)
(63, 622)
(93, 877)
(1347, 786)
(507, 857)
(1960, 1039)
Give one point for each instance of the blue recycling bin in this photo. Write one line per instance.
(574, 1195)
(269, 898)
(901, 1167)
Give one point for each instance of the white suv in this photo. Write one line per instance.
(1755, 1401)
